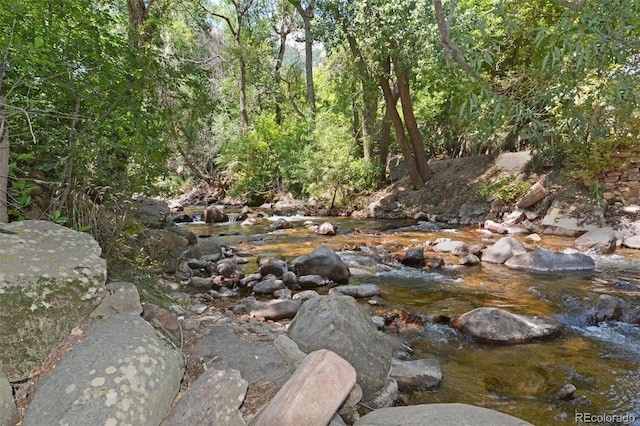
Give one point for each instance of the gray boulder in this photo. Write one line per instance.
(608, 308)
(311, 281)
(163, 247)
(550, 261)
(51, 277)
(121, 297)
(206, 248)
(326, 228)
(213, 214)
(8, 410)
(599, 241)
(268, 286)
(413, 257)
(150, 212)
(502, 250)
(357, 291)
(122, 372)
(213, 399)
(493, 325)
(275, 267)
(322, 261)
(438, 414)
(340, 324)
(276, 309)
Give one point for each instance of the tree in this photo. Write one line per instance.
(307, 13)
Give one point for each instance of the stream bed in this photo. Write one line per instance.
(601, 361)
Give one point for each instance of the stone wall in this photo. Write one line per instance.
(621, 182)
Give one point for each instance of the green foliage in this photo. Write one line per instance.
(506, 190)
(265, 160)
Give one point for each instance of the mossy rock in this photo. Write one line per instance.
(51, 278)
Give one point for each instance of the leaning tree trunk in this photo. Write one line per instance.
(307, 15)
(405, 147)
(410, 120)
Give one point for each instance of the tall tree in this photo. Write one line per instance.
(307, 12)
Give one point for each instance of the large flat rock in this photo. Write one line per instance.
(122, 373)
(51, 277)
(439, 414)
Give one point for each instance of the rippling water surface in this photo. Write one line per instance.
(603, 362)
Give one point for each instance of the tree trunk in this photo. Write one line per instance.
(284, 33)
(405, 147)
(4, 163)
(410, 120)
(385, 142)
(307, 15)
(242, 80)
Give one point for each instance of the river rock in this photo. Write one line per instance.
(163, 319)
(495, 227)
(163, 247)
(454, 247)
(340, 324)
(207, 248)
(121, 372)
(276, 267)
(8, 410)
(289, 352)
(213, 214)
(550, 261)
(322, 261)
(306, 295)
(559, 221)
(357, 291)
(438, 414)
(608, 308)
(268, 286)
(280, 223)
(421, 374)
(51, 277)
(213, 399)
(502, 250)
(150, 212)
(311, 281)
(632, 242)
(326, 228)
(598, 241)
(536, 193)
(313, 394)
(493, 325)
(469, 260)
(414, 256)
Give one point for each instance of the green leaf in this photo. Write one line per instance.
(38, 42)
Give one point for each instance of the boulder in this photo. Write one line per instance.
(163, 247)
(326, 228)
(469, 260)
(311, 281)
(598, 241)
(421, 374)
(213, 214)
(162, 319)
(51, 278)
(121, 372)
(280, 223)
(396, 168)
(455, 247)
(306, 295)
(322, 261)
(559, 221)
(313, 394)
(493, 325)
(632, 242)
(289, 352)
(8, 410)
(495, 227)
(275, 267)
(413, 257)
(502, 250)
(121, 297)
(340, 324)
(438, 414)
(222, 349)
(213, 399)
(268, 286)
(608, 308)
(357, 291)
(150, 212)
(207, 248)
(551, 261)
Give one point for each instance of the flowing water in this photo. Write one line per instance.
(603, 362)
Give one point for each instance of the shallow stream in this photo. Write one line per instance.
(603, 362)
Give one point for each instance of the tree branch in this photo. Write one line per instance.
(448, 43)
(573, 6)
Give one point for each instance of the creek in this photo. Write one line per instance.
(603, 361)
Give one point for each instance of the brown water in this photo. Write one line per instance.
(602, 362)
